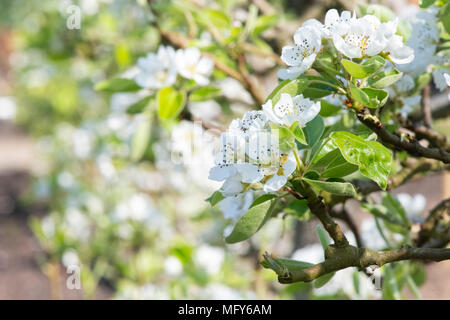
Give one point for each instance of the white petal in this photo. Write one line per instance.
(205, 66)
(290, 165)
(250, 173)
(291, 55)
(201, 80)
(232, 186)
(220, 173)
(268, 109)
(275, 183)
(289, 73)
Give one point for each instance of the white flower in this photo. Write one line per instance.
(279, 179)
(291, 109)
(366, 36)
(157, 70)
(441, 78)
(398, 52)
(423, 40)
(192, 65)
(70, 258)
(333, 23)
(301, 56)
(234, 207)
(210, 258)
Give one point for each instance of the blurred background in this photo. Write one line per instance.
(82, 193)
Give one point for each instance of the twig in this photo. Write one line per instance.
(434, 218)
(350, 256)
(413, 148)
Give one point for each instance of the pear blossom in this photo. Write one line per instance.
(441, 78)
(157, 70)
(192, 65)
(333, 23)
(423, 40)
(234, 207)
(301, 56)
(279, 179)
(291, 109)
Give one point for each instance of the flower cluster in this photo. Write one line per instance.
(251, 161)
(158, 70)
(353, 37)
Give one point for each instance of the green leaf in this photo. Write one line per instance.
(340, 188)
(215, 198)
(139, 106)
(170, 102)
(141, 138)
(204, 93)
(368, 67)
(263, 198)
(217, 18)
(395, 207)
(325, 241)
(291, 265)
(297, 208)
(291, 87)
(444, 14)
(413, 287)
(390, 285)
(340, 170)
(298, 133)
(264, 22)
(372, 98)
(323, 280)
(327, 109)
(384, 79)
(250, 222)
(426, 3)
(117, 85)
(314, 130)
(373, 159)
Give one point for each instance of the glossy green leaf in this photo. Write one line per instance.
(395, 207)
(369, 97)
(339, 171)
(250, 222)
(368, 67)
(170, 102)
(340, 188)
(298, 133)
(373, 159)
(117, 85)
(384, 79)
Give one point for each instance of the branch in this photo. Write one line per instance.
(422, 132)
(319, 209)
(345, 216)
(413, 148)
(440, 213)
(340, 258)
